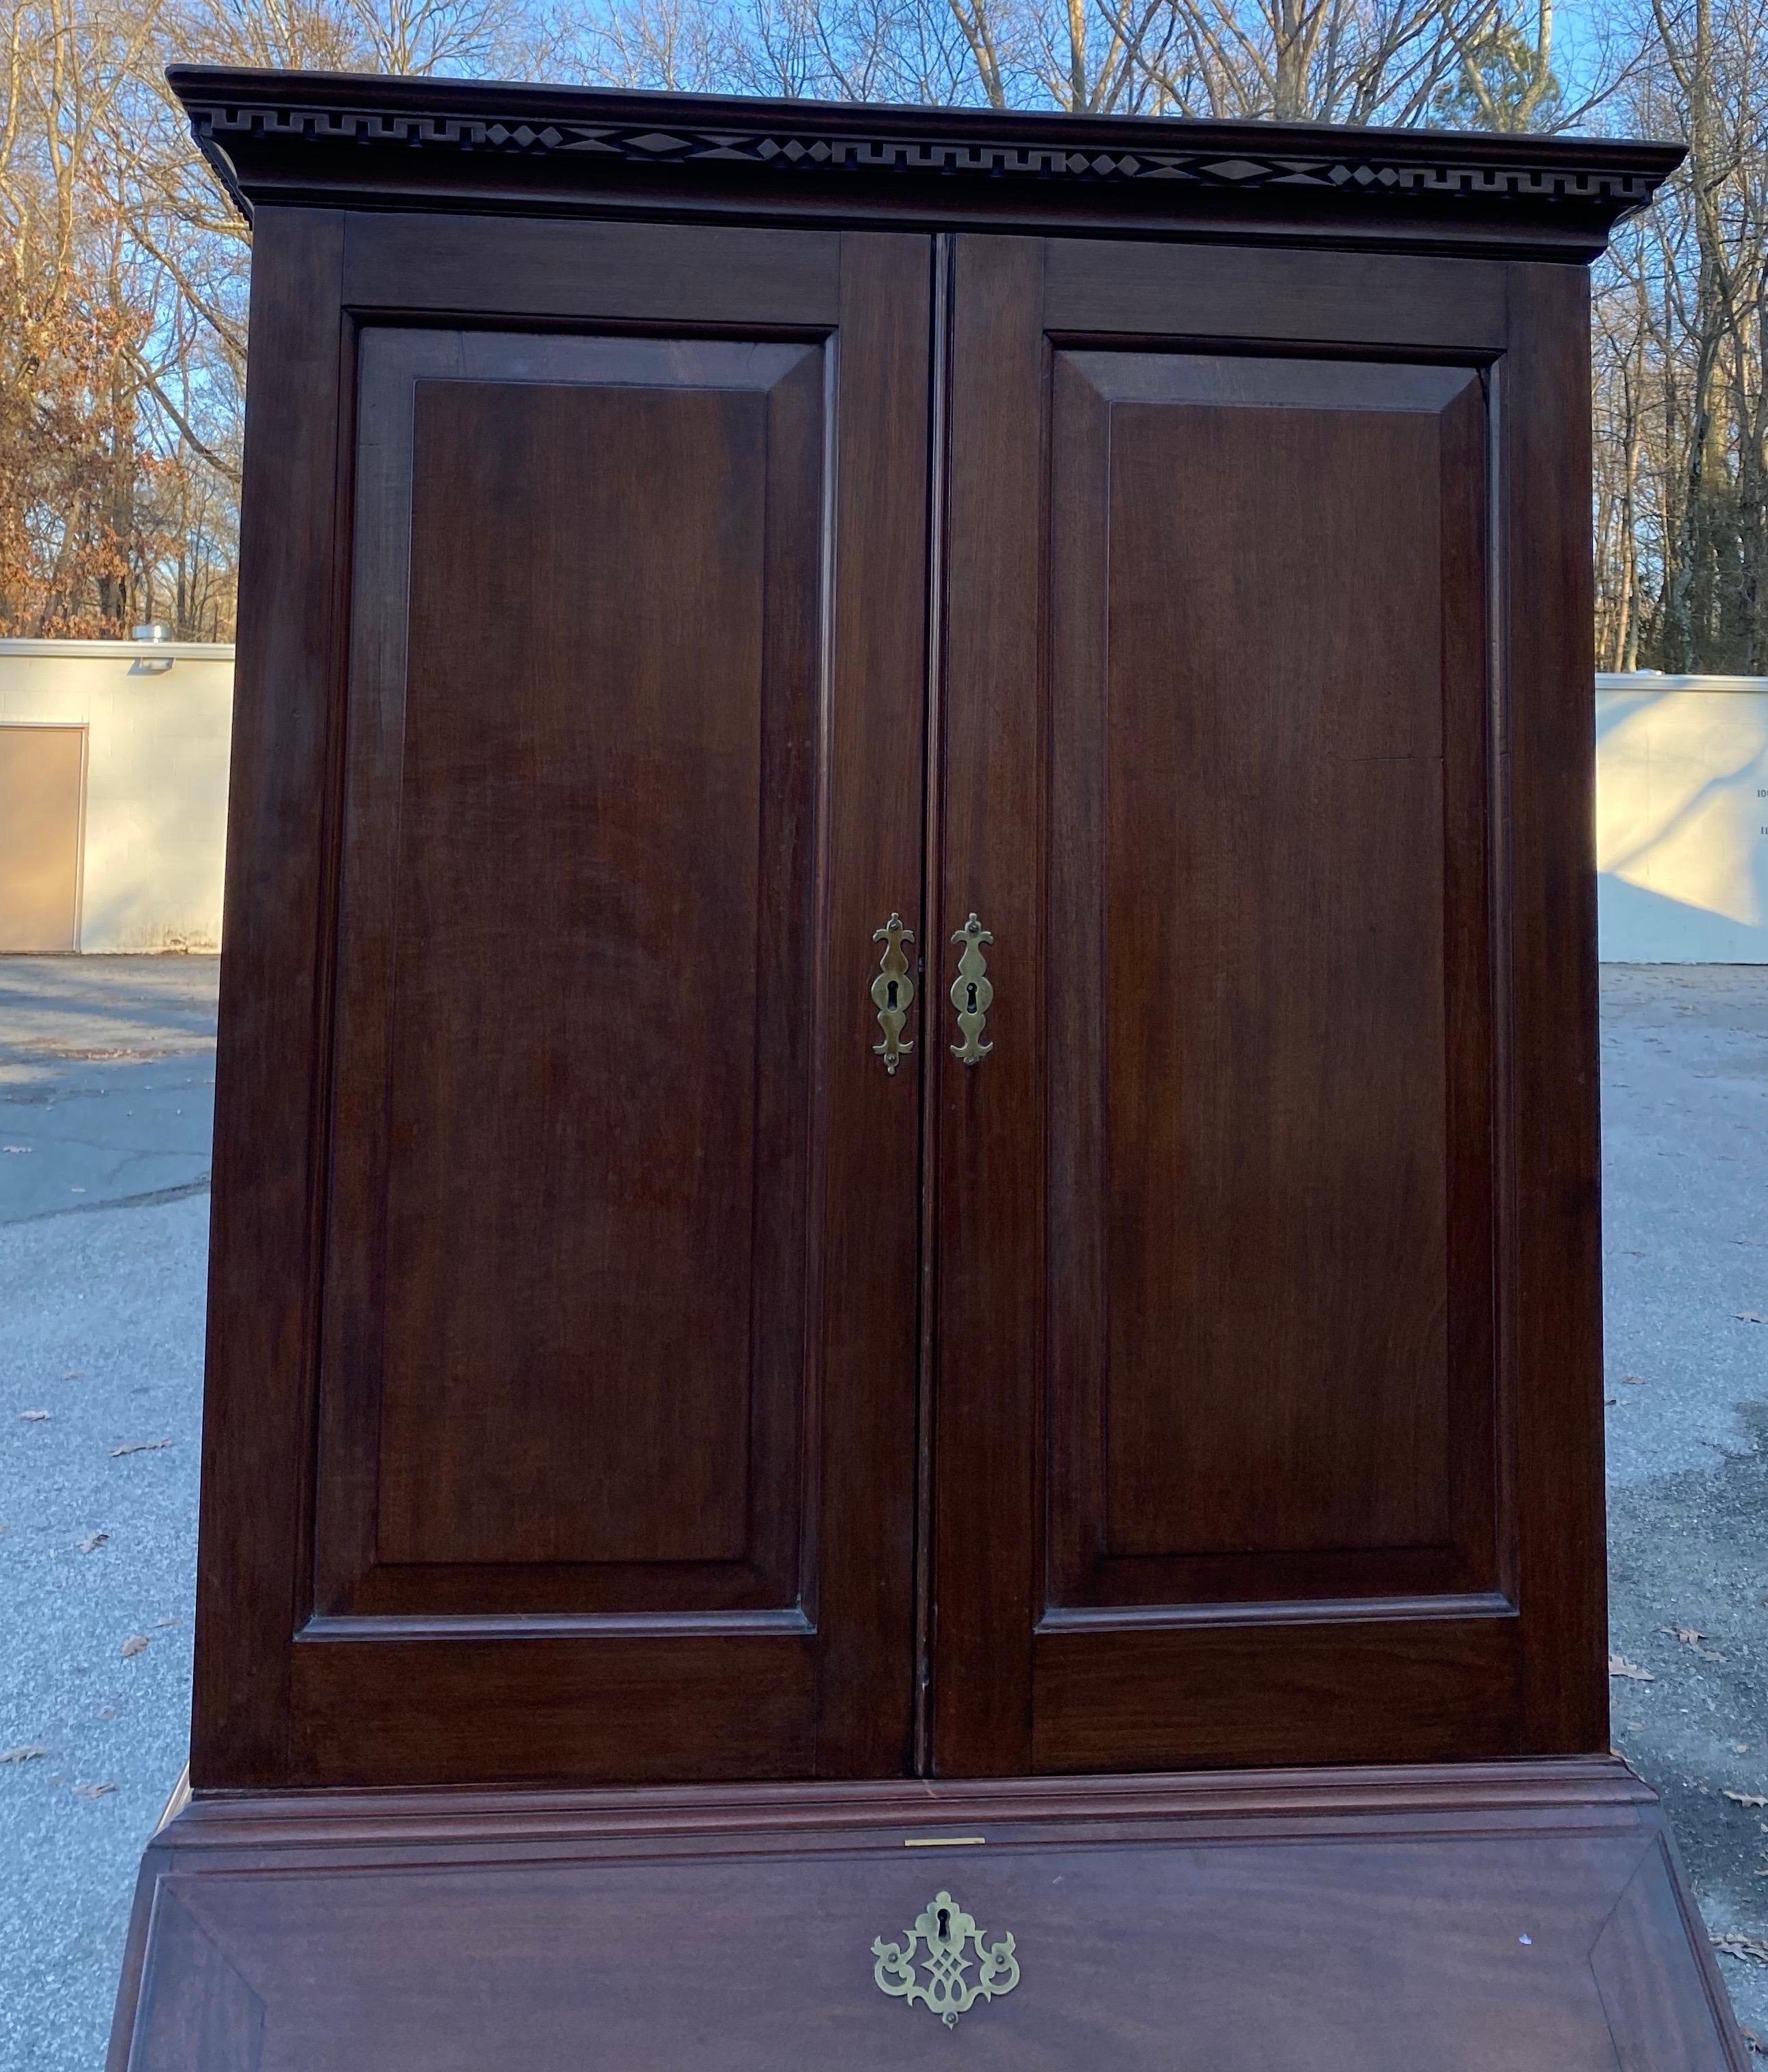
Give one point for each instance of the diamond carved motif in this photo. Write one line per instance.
(880, 152)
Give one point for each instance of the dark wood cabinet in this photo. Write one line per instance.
(906, 1109)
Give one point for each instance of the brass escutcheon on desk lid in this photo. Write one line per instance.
(953, 1945)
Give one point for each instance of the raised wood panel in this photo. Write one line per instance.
(580, 821)
(568, 1373)
(575, 1139)
(1253, 1092)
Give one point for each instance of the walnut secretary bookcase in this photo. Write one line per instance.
(903, 1359)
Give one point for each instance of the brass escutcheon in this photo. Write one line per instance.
(893, 993)
(971, 994)
(953, 1946)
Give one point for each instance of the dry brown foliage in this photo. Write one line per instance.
(122, 269)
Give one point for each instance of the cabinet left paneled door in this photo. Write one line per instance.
(567, 1331)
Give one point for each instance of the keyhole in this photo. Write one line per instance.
(892, 990)
(945, 1918)
(969, 992)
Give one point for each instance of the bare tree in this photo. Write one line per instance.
(1681, 329)
(123, 269)
(1310, 60)
(123, 280)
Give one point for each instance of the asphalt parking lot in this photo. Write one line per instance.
(106, 1091)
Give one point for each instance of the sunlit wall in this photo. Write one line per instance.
(1681, 819)
(154, 810)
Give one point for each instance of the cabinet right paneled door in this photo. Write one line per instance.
(1261, 1437)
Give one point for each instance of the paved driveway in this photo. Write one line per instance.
(106, 1072)
(1685, 1242)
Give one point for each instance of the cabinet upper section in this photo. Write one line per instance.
(337, 139)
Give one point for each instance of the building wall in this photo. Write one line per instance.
(1681, 819)
(155, 809)
(1682, 798)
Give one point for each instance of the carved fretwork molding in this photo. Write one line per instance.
(881, 152)
(264, 128)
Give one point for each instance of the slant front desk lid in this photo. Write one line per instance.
(323, 138)
(1430, 1920)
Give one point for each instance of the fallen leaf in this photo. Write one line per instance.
(1749, 1797)
(1692, 1636)
(140, 1446)
(26, 1752)
(1758, 2047)
(35, 1417)
(133, 1645)
(1754, 1947)
(91, 1539)
(1619, 1666)
(93, 1790)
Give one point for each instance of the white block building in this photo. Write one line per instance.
(113, 761)
(1681, 819)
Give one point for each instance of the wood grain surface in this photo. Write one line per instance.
(1232, 1330)
(1516, 1918)
(600, 1227)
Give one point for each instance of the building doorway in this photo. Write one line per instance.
(43, 774)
